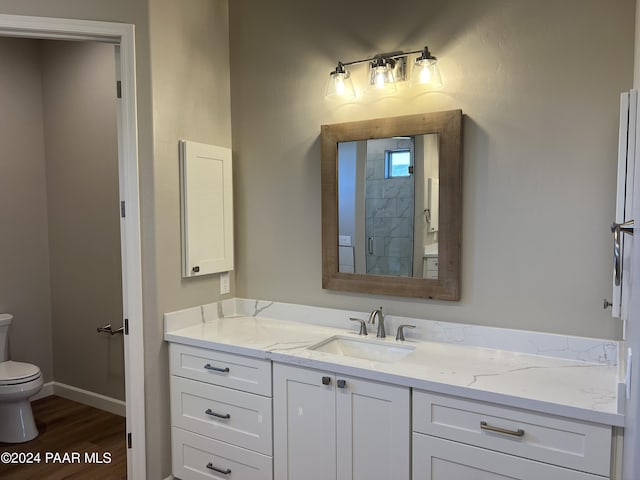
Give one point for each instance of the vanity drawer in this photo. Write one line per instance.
(438, 459)
(235, 417)
(560, 441)
(194, 457)
(226, 369)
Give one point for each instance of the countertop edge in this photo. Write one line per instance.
(578, 413)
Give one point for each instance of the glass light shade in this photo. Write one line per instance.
(381, 78)
(340, 86)
(426, 74)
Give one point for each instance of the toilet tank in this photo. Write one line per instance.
(5, 321)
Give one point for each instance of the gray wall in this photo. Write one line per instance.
(180, 40)
(191, 100)
(24, 248)
(62, 203)
(134, 12)
(83, 204)
(539, 84)
(187, 44)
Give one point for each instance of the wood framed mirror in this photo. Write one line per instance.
(392, 205)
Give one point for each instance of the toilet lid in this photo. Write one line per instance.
(12, 373)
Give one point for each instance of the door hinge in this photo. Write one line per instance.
(126, 326)
(119, 89)
(128, 440)
(122, 209)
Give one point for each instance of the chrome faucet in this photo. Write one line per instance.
(372, 320)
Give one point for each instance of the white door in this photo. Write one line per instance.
(304, 424)
(372, 429)
(122, 35)
(631, 459)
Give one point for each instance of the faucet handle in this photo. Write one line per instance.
(363, 325)
(400, 334)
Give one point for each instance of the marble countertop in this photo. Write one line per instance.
(570, 388)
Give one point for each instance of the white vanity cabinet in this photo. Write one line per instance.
(221, 421)
(329, 426)
(455, 438)
(430, 266)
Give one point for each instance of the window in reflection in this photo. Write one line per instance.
(388, 206)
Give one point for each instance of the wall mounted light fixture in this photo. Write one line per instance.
(385, 70)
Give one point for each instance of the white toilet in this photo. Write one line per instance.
(18, 382)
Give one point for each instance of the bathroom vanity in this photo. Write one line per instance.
(260, 397)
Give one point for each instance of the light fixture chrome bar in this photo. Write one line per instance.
(381, 56)
(385, 70)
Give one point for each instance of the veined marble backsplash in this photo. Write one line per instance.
(552, 345)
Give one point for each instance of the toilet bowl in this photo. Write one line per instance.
(18, 382)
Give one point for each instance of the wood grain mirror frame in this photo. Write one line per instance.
(448, 125)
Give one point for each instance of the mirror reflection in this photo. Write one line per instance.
(388, 191)
(392, 205)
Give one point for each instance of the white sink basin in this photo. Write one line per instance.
(375, 350)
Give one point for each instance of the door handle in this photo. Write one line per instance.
(616, 228)
(107, 329)
(370, 245)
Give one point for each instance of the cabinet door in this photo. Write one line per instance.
(373, 430)
(304, 424)
(437, 459)
(207, 208)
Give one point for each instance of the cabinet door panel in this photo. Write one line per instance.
(304, 424)
(438, 459)
(251, 375)
(569, 443)
(373, 430)
(196, 457)
(235, 417)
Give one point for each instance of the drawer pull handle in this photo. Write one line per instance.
(504, 431)
(210, 466)
(208, 366)
(226, 416)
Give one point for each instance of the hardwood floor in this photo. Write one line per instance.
(67, 427)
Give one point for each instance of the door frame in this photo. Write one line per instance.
(122, 36)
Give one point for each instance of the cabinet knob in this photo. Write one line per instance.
(341, 383)
(326, 380)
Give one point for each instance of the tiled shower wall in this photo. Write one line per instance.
(388, 212)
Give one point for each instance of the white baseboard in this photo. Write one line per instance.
(85, 397)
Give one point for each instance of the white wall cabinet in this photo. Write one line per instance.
(207, 209)
(329, 426)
